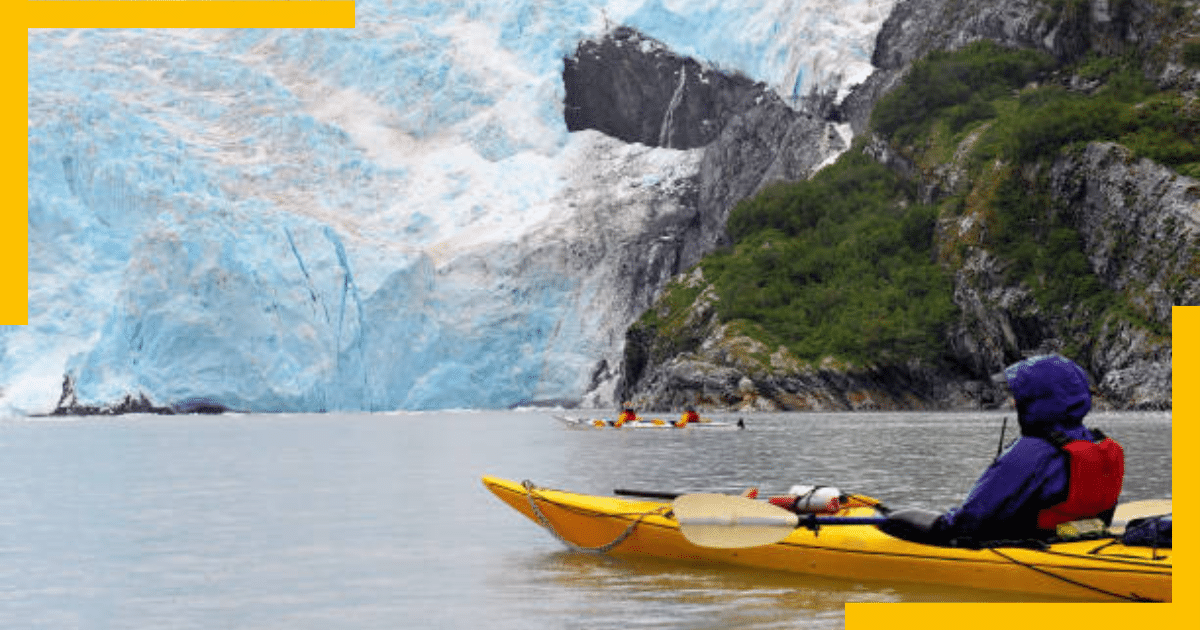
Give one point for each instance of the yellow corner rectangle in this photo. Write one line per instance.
(14, 222)
(1006, 616)
(190, 14)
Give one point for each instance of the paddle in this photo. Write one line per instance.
(1126, 512)
(729, 522)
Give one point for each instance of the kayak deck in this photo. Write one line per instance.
(1088, 570)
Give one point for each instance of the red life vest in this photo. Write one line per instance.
(1096, 472)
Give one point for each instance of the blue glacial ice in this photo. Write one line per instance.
(372, 218)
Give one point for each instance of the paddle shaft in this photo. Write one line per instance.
(729, 522)
(801, 521)
(649, 494)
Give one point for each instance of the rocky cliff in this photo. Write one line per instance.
(634, 89)
(1152, 30)
(686, 355)
(1143, 240)
(1139, 225)
(1137, 221)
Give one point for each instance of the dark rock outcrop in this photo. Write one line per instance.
(68, 405)
(633, 88)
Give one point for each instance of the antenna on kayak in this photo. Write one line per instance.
(1000, 446)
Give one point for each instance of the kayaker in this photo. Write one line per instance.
(627, 415)
(689, 415)
(1058, 471)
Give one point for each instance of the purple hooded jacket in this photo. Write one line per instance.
(1051, 393)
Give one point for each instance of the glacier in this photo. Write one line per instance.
(387, 217)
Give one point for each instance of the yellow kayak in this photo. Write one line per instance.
(1097, 569)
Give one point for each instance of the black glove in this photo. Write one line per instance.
(913, 524)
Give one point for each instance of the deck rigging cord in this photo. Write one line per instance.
(531, 490)
(1133, 597)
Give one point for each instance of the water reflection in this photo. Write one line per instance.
(624, 592)
(619, 592)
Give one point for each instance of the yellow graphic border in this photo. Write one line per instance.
(340, 14)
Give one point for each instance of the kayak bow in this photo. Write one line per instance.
(1083, 570)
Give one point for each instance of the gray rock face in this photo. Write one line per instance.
(633, 88)
(1068, 31)
(768, 143)
(1142, 224)
(1141, 239)
(1139, 222)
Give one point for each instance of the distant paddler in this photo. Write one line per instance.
(689, 415)
(627, 415)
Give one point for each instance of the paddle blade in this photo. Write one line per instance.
(728, 522)
(1126, 512)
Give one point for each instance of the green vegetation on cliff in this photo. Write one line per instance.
(846, 264)
(956, 89)
(840, 265)
(1031, 118)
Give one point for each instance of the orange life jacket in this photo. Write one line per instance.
(1097, 470)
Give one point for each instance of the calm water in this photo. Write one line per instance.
(380, 521)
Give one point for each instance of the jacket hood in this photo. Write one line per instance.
(1050, 391)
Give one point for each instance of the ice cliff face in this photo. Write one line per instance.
(394, 216)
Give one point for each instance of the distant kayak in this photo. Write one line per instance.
(648, 423)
